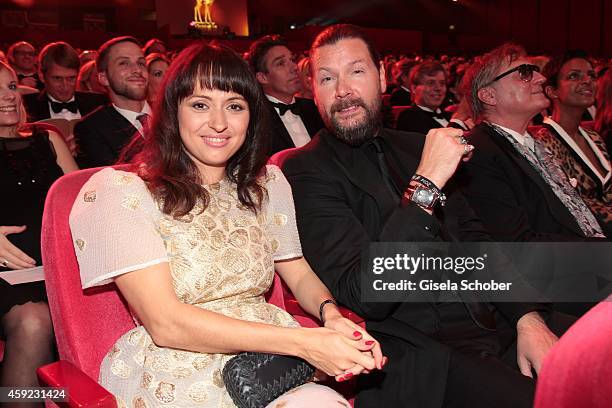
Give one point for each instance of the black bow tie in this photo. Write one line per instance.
(283, 108)
(435, 115)
(57, 107)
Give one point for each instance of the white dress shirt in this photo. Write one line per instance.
(132, 116)
(64, 113)
(440, 120)
(293, 123)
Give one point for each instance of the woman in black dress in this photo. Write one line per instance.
(31, 160)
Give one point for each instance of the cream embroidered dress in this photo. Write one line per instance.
(221, 259)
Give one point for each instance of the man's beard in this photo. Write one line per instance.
(361, 132)
(132, 93)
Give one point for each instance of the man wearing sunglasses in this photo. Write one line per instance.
(514, 186)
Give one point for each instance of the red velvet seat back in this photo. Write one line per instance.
(578, 371)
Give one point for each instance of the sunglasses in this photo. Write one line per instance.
(525, 72)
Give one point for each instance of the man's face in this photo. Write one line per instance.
(282, 80)
(347, 86)
(60, 82)
(126, 75)
(516, 97)
(430, 91)
(24, 57)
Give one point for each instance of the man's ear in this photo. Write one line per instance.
(262, 78)
(103, 78)
(383, 77)
(550, 92)
(487, 96)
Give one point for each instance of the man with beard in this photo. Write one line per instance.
(356, 183)
(101, 135)
(293, 120)
(428, 87)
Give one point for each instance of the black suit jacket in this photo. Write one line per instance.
(280, 138)
(342, 206)
(100, 137)
(400, 97)
(415, 119)
(37, 105)
(512, 199)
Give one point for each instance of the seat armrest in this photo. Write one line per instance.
(82, 391)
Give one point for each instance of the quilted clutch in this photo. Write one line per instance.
(253, 380)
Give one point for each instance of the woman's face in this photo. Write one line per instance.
(576, 84)
(157, 69)
(10, 99)
(213, 126)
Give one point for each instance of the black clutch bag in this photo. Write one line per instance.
(253, 380)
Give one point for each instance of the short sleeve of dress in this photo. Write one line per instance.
(114, 229)
(280, 215)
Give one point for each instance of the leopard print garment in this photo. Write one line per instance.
(597, 197)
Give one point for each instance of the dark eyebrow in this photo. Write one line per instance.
(280, 57)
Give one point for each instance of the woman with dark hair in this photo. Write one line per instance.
(31, 159)
(571, 85)
(212, 223)
(157, 65)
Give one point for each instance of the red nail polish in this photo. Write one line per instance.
(369, 342)
(348, 375)
(356, 333)
(340, 379)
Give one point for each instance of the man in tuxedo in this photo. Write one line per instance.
(520, 193)
(356, 183)
(401, 95)
(58, 66)
(294, 120)
(22, 57)
(428, 85)
(101, 135)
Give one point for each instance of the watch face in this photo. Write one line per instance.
(423, 197)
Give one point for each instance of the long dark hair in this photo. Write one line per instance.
(171, 175)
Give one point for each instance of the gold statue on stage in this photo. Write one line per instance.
(205, 23)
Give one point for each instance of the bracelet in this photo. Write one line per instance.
(426, 182)
(322, 305)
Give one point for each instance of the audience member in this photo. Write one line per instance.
(305, 78)
(22, 58)
(30, 161)
(58, 67)
(513, 184)
(401, 73)
(294, 120)
(157, 64)
(154, 45)
(348, 184)
(88, 55)
(102, 134)
(582, 154)
(428, 87)
(87, 80)
(213, 223)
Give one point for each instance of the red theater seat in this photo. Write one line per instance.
(578, 371)
(87, 323)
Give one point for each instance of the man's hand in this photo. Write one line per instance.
(441, 155)
(534, 340)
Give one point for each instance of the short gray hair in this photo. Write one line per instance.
(483, 71)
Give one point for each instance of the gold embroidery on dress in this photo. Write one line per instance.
(160, 363)
(89, 196)
(217, 239)
(139, 403)
(131, 202)
(201, 362)
(197, 392)
(165, 392)
(114, 352)
(235, 262)
(179, 373)
(135, 337)
(147, 378)
(217, 379)
(280, 219)
(80, 243)
(120, 368)
(122, 179)
(239, 238)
